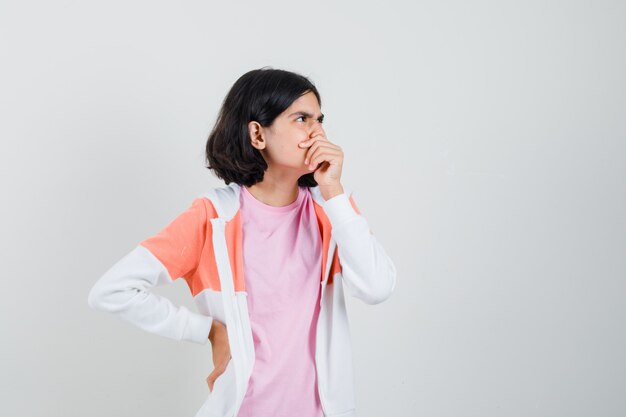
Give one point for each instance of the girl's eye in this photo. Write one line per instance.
(319, 120)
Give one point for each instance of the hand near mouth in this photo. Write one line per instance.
(325, 159)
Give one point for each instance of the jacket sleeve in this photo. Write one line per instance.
(368, 272)
(174, 252)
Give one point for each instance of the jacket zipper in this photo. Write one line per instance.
(229, 298)
(331, 250)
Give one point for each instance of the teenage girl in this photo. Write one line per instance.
(269, 139)
(276, 156)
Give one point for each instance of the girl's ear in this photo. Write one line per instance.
(256, 136)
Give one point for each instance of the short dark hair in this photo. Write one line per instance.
(260, 95)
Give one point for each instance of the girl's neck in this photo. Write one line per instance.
(274, 193)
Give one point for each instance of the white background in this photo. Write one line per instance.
(484, 142)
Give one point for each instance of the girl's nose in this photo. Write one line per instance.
(317, 131)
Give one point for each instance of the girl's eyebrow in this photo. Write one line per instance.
(303, 113)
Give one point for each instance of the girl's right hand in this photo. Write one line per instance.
(221, 351)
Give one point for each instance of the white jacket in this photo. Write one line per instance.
(203, 246)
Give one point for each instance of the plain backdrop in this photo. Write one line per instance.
(484, 142)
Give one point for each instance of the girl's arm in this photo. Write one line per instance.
(368, 272)
(125, 289)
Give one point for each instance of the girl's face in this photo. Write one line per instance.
(278, 143)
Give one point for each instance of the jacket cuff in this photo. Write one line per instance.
(339, 210)
(198, 328)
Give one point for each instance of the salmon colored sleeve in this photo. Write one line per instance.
(125, 289)
(179, 244)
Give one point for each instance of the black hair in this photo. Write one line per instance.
(260, 95)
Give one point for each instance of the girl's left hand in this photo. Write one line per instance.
(325, 158)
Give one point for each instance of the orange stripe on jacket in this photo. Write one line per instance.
(185, 247)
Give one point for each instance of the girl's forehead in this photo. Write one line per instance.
(308, 100)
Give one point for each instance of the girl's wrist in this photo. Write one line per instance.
(329, 192)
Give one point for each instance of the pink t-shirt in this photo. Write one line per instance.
(282, 258)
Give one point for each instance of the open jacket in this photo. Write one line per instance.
(203, 245)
